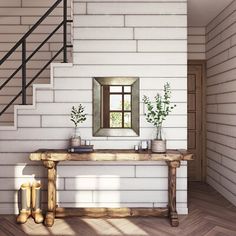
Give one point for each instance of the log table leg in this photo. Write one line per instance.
(52, 174)
(172, 165)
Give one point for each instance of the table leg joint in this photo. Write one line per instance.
(173, 215)
(174, 221)
(52, 175)
(49, 219)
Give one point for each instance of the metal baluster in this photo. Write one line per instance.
(22, 42)
(64, 31)
(24, 72)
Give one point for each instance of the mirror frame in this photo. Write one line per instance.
(98, 130)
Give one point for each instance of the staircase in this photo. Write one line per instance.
(16, 86)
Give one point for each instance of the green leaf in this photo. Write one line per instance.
(162, 106)
(77, 115)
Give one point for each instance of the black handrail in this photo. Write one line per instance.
(25, 59)
(23, 72)
(32, 54)
(31, 30)
(64, 30)
(32, 80)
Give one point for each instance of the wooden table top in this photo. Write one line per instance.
(110, 155)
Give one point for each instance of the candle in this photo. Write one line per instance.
(144, 145)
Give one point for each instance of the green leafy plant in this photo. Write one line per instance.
(160, 109)
(77, 115)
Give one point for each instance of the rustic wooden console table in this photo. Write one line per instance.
(50, 159)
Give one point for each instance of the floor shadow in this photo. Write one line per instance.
(210, 214)
(78, 226)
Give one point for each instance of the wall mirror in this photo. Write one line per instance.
(116, 106)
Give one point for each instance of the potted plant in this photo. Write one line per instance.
(77, 116)
(156, 114)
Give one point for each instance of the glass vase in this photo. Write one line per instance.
(76, 138)
(160, 134)
(159, 143)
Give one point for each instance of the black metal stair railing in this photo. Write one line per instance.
(25, 59)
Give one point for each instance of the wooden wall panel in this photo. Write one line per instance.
(221, 100)
(124, 40)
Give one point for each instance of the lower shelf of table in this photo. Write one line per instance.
(111, 212)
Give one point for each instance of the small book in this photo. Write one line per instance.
(81, 149)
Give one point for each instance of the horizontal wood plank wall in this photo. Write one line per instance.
(16, 18)
(221, 103)
(196, 43)
(113, 38)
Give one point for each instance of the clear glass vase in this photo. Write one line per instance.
(77, 132)
(76, 138)
(160, 133)
(159, 143)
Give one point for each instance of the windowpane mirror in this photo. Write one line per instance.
(116, 106)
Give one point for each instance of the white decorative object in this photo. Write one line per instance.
(87, 142)
(144, 145)
(136, 147)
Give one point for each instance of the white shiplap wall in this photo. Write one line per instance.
(16, 18)
(221, 103)
(196, 43)
(121, 38)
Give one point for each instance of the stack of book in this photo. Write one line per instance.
(81, 149)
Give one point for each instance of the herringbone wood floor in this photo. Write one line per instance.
(209, 214)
